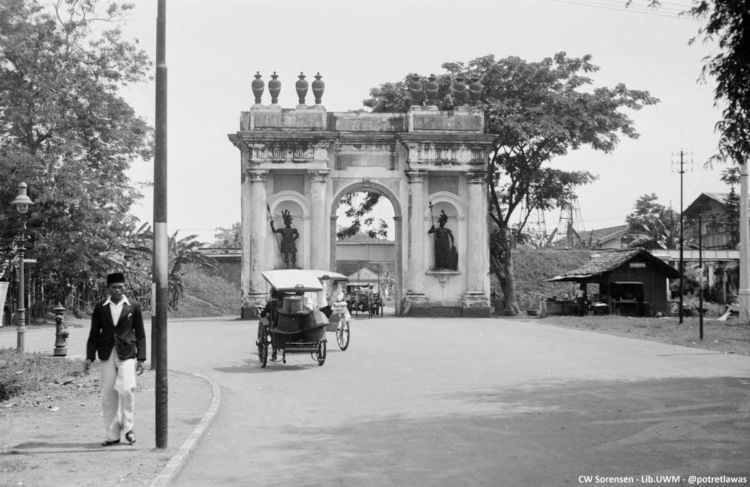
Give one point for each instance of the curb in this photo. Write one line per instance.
(177, 463)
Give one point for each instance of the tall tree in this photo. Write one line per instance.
(731, 220)
(728, 23)
(228, 237)
(653, 225)
(66, 132)
(539, 111)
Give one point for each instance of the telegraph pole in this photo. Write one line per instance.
(700, 280)
(682, 240)
(744, 291)
(160, 231)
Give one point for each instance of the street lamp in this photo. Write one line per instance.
(22, 204)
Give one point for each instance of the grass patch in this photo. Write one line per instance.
(23, 373)
(534, 266)
(207, 294)
(720, 336)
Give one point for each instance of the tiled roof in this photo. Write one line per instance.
(607, 261)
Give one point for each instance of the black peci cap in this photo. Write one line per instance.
(115, 278)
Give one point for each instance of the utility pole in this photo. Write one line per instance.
(744, 290)
(160, 231)
(700, 280)
(682, 240)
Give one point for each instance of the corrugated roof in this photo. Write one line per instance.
(607, 261)
(601, 235)
(696, 206)
(720, 197)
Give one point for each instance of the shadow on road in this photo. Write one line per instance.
(544, 435)
(252, 366)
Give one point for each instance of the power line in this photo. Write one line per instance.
(668, 7)
(609, 6)
(662, 12)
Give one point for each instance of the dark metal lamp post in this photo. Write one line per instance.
(22, 204)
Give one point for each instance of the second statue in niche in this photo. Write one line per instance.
(446, 256)
(288, 235)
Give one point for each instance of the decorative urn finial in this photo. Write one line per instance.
(416, 90)
(274, 87)
(301, 86)
(318, 86)
(459, 91)
(475, 90)
(258, 86)
(432, 88)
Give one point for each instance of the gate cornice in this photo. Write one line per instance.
(258, 136)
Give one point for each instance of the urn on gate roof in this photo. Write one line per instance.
(301, 86)
(258, 86)
(274, 87)
(317, 87)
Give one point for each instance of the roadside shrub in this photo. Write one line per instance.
(23, 372)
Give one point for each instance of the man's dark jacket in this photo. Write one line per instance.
(128, 336)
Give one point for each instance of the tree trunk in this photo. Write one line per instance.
(508, 286)
(501, 260)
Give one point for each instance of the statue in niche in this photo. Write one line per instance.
(288, 235)
(446, 256)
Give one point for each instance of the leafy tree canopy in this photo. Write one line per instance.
(228, 237)
(358, 205)
(538, 110)
(653, 225)
(66, 132)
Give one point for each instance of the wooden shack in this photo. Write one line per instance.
(630, 282)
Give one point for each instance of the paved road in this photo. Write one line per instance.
(445, 402)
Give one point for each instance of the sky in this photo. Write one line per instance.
(214, 48)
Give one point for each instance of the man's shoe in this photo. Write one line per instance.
(130, 436)
(111, 442)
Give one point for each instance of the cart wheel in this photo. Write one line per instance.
(321, 352)
(342, 334)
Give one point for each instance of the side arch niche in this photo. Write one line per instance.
(299, 208)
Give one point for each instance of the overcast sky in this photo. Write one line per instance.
(214, 48)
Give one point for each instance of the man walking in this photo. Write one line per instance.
(118, 337)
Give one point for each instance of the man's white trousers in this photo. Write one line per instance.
(118, 395)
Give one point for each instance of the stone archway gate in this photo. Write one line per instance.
(305, 159)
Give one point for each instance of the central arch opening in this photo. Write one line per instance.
(365, 236)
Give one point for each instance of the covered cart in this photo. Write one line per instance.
(287, 323)
(336, 309)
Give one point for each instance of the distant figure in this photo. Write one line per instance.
(446, 256)
(288, 235)
(581, 299)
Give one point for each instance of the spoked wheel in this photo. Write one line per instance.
(321, 353)
(342, 334)
(262, 346)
